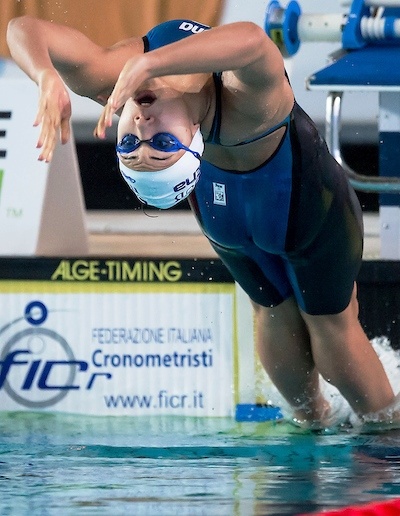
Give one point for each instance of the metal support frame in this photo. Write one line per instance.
(360, 182)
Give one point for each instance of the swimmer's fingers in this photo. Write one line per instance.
(53, 115)
(106, 119)
(133, 74)
(43, 143)
(52, 128)
(102, 124)
(65, 131)
(47, 142)
(125, 88)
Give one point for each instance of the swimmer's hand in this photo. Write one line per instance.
(54, 113)
(133, 74)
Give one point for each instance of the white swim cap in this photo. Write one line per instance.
(166, 188)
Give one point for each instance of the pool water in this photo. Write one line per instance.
(65, 464)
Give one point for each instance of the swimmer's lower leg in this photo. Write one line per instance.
(345, 357)
(360, 377)
(311, 407)
(284, 349)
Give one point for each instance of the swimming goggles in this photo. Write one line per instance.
(164, 142)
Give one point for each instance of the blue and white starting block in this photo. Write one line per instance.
(367, 61)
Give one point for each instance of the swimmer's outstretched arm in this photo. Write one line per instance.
(242, 47)
(53, 55)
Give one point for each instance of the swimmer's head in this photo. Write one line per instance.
(163, 188)
(159, 110)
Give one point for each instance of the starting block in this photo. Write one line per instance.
(42, 208)
(370, 39)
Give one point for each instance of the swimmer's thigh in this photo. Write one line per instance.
(323, 274)
(261, 275)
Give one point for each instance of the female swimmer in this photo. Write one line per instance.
(209, 114)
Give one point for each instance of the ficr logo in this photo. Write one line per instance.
(37, 365)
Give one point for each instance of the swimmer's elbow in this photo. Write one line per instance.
(19, 26)
(14, 22)
(254, 31)
(254, 39)
(13, 25)
(19, 22)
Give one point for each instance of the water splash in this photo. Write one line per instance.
(342, 413)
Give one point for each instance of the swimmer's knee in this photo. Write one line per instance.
(284, 315)
(341, 325)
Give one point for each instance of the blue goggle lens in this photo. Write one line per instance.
(164, 142)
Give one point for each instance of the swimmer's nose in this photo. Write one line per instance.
(144, 125)
(143, 119)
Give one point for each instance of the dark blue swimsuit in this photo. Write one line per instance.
(293, 225)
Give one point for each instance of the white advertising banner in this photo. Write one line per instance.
(41, 204)
(114, 348)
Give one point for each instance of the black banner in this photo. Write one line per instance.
(114, 270)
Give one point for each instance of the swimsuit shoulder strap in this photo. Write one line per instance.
(285, 121)
(213, 137)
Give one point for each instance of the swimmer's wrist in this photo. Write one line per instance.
(155, 66)
(43, 75)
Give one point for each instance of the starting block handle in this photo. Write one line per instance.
(321, 27)
(288, 26)
(360, 182)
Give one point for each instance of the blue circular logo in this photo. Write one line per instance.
(36, 313)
